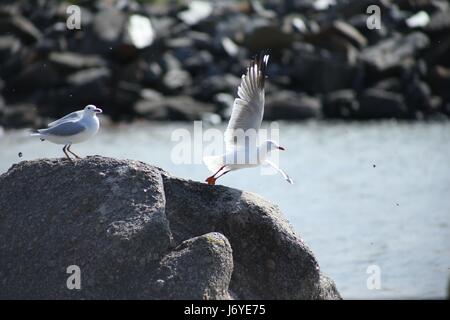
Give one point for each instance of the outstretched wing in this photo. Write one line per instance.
(70, 117)
(64, 129)
(248, 107)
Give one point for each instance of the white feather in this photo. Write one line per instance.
(248, 107)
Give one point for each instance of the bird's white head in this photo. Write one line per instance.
(270, 145)
(91, 109)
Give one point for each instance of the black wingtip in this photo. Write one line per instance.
(260, 60)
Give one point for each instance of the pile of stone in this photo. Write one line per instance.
(175, 60)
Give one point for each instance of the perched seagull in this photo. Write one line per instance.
(73, 128)
(246, 116)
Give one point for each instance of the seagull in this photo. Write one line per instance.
(73, 128)
(246, 118)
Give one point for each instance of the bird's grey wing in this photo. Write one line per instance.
(248, 107)
(281, 171)
(64, 129)
(69, 117)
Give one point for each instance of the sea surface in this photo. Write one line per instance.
(371, 199)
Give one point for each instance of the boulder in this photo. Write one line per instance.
(211, 253)
(320, 71)
(72, 61)
(392, 52)
(339, 36)
(380, 104)
(177, 108)
(267, 35)
(31, 78)
(19, 115)
(340, 104)
(208, 87)
(439, 21)
(135, 231)
(288, 105)
(18, 25)
(9, 45)
(109, 220)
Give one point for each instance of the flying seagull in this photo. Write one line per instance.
(246, 118)
(73, 128)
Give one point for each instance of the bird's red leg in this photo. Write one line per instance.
(211, 180)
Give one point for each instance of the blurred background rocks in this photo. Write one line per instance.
(182, 60)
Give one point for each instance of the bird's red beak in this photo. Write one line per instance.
(281, 148)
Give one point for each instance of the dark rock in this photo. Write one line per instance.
(150, 105)
(211, 253)
(71, 61)
(318, 71)
(163, 25)
(418, 95)
(439, 80)
(224, 103)
(176, 79)
(337, 37)
(119, 220)
(126, 94)
(389, 84)
(439, 21)
(210, 86)
(19, 115)
(372, 36)
(392, 52)
(101, 224)
(200, 50)
(9, 45)
(378, 104)
(151, 110)
(200, 40)
(267, 35)
(263, 242)
(198, 62)
(151, 94)
(108, 25)
(32, 78)
(439, 53)
(176, 108)
(88, 75)
(19, 26)
(87, 86)
(340, 104)
(291, 106)
(346, 9)
(152, 74)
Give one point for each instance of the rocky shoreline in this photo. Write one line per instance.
(135, 232)
(171, 61)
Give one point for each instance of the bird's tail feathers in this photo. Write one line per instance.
(35, 133)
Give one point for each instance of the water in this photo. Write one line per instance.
(370, 194)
